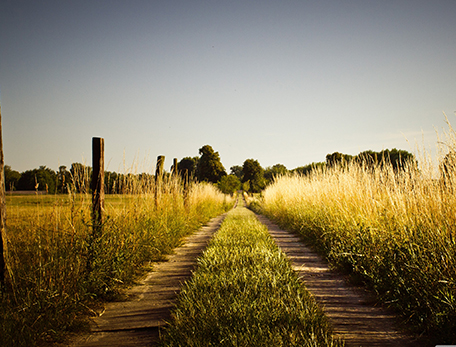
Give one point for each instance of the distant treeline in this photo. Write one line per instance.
(78, 178)
(251, 176)
(397, 158)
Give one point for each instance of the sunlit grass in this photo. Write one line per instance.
(49, 236)
(393, 230)
(245, 293)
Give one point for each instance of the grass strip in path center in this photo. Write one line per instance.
(245, 293)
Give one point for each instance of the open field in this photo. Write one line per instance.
(393, 230)
(59, 271)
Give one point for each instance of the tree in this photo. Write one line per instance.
(81, 177)
(11, 178)
(306, 170)
(112, 182)
(229, 184)
(187, 167)
(254, 174)
(43, 179)
(209, 167)
(63, 179)
(246, 186)
(337, 158)
(276, 170)
(398, 159)
(236, 170)
(368, 158)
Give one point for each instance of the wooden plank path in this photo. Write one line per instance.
(351, 311)
(137, 321)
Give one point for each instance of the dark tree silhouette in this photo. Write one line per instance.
(254, 174)
(11, 178)
(276, 170)
(42, 179)
(236, 170)
(187, 167)
(209, 167)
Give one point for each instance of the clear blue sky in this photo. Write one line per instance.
(278, 81)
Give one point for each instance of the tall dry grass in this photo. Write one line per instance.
(395, 231)
(51, 249)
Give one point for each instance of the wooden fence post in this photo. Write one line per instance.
(97, 184)
(159, 176)
(159, 168)
(186, 190)
(175, 172)
(175, 183)
(2, 211)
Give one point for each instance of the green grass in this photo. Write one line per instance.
(245, 293)
(51, 248)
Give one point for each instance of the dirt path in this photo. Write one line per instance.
(137, 321)
(351, 311)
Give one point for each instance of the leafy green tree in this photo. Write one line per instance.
(236, 170)
(368, 157)
(246, 186)
(187, 167)
(209, 167)
(63, 179)
(274, 171)
(42, 179)
(398, 159)
(254, 174)
(307, 169)
(11, 178)
(337, 158)
(229, 184)
(27, 181)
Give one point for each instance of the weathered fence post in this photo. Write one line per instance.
(175, 183)
(186, 190)
(159, 168)
(97, 184)
(159, 176)
(175, 172)
(2, 210)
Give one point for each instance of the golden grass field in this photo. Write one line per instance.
(393, 230)
(59, 270)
